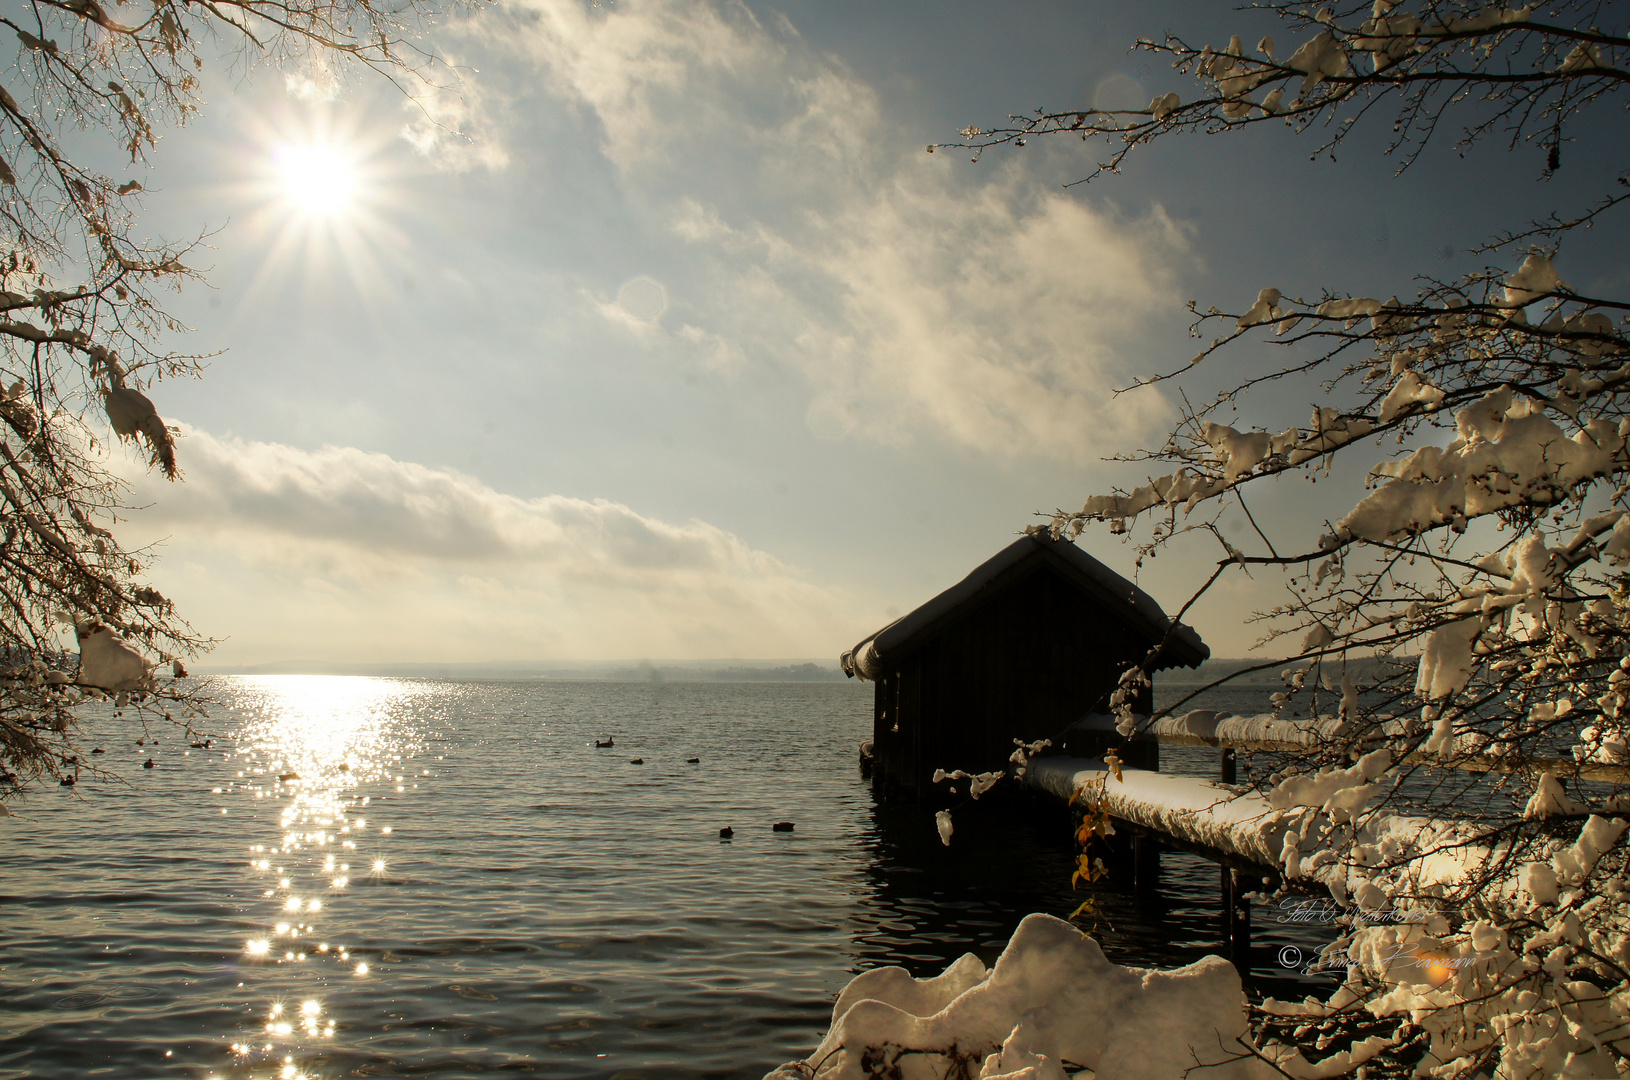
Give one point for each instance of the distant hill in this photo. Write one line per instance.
(690, 671)
(610, 671)
(1215, 669)
(806, 672)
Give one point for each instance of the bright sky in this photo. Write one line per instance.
(684, 348)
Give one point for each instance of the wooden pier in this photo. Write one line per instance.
(1159, 811)
(1232, 825)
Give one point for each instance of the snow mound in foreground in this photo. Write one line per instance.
(1051, 1007)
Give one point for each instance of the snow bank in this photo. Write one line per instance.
(1052, 1003)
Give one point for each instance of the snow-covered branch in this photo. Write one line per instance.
(1460, 627)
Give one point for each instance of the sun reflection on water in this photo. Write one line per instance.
(322, 747)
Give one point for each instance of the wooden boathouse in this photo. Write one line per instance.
(1030, 645)
(1032, 640)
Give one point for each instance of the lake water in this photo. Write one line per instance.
(454, 881)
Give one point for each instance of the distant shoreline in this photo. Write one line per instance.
(1215, 669)
(681, 671)
(736, 671)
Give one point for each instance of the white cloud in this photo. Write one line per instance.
(910, 294)
(342, 554)
(997, 319)
(657, 76)
(451, 121)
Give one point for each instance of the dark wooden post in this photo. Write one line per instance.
(1145, 862)
(1228, 765)
(1236, 918)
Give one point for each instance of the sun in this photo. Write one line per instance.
(316, 180)
(322, 196)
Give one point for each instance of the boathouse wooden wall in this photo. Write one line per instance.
(1034, 656)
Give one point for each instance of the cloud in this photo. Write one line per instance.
(998, 320)
(912, 295)
(355, 555)
(451, 121)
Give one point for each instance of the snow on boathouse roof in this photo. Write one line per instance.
(871, 657)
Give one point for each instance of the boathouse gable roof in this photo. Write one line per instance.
(872, 657)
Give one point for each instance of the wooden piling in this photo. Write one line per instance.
(1236, 916)
(1145, 862)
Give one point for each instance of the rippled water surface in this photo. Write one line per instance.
(372, 877)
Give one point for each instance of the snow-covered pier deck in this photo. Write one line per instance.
(1225, 822)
